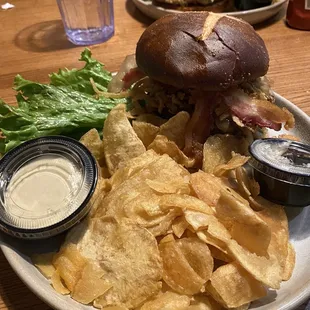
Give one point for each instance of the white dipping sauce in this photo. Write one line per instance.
(42, 187)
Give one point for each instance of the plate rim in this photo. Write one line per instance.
(40, 291)
(237, 13)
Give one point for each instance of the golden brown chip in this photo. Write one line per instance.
(58, 284)
(289, 264)
(162, 145)
(95, 145)
(115, 308)
(184, 202)
(174, 128)
(152, 119)
(179, 273)
(247, 186)
(179, 226)
(202, 302)
(218, 149)
(120, 141)
(167, 301)
(132, 167)
(266, 270)
(44, 263)
(198, 255)
(164, 226)
(275, 217)
(128, 254)
(174, 187)
(219, 255)
(145, 131)
(163, 169)
(69, 262)
(207, 187)
(236, 161)
(233, 287)
(247, 228)
(91, 284)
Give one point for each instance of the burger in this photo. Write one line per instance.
(196, 5)
(208, 64)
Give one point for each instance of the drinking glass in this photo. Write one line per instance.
(87, 22)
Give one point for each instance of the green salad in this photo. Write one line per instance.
(68, 105)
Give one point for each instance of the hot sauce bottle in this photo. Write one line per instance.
(298, 14)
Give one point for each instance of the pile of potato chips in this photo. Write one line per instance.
(161, 237)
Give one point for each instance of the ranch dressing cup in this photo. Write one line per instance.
(282, 168)
(45, 187)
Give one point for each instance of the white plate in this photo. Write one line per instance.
(291, 294)
(251, 16)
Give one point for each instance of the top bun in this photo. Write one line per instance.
(202, 50)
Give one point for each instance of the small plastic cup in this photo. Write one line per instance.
(87, 22)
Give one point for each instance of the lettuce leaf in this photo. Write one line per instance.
(66, 106)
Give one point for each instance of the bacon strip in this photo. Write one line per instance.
(199, 126)
(252, 111)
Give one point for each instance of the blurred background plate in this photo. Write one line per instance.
(291, 294)
(251, 16)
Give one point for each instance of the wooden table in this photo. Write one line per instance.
(33, 44)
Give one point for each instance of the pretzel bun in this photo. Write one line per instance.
(201, 50)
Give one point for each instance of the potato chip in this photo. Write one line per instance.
(184, 202)
(174, 128)
(69, 262)
(115, 308)
(236, 161)
(92, 141)
(174, 187)
(266, 270)
(289, 264)
(145, 131)
(120, 141)
(202, 302)
(44, 263)
(58, 285)
(275, 217)
(247, 228)
(132, 167)
(102, 188)
(206, 237)
(207, 187)
(151, 118)
(219, 255)
(246, 186)
(179, 226)
(162, 145)
(178, 272)
(165, 225)
(128, 254)
(167, 301)
(233, 287)
(90, 285)
(218, 149)
(162, 169)
(198, 255)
